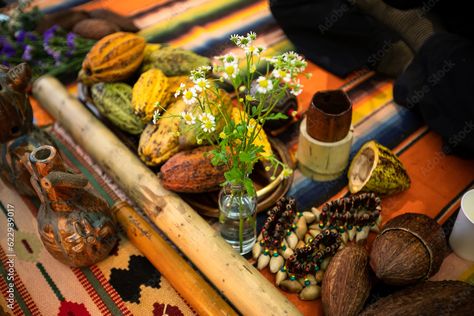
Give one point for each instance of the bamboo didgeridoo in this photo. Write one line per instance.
(237, 279)
(185, 280)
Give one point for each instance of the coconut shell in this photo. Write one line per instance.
(427, 298)
(410, 248)
(346, 283)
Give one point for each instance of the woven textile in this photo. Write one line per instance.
(204, 26)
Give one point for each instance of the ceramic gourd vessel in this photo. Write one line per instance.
(75, 225)
(18, 135)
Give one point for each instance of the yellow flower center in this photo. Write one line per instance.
(263, 83)
(208, 124)
(229, 69)
(188, 95)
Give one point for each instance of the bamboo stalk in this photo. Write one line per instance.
(187, 282)
(237, 279)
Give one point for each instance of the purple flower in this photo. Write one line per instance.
(6, 47)
(27, 53)
(49, 33)
(53, 53)
(71, 44)
(71, 37)
(30, 36)
(20, 36)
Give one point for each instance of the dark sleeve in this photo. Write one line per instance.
(332, 33)
(439, 84)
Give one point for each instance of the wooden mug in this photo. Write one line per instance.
(329, 116)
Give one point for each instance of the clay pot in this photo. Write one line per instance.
(16, 116)
(329, 116)
(17, 133)
(410, 248)
(75, 225)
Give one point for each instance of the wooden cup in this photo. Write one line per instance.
(329, 116)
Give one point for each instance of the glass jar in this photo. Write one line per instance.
(237, 217)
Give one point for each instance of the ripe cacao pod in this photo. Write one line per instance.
(113, 100)
(160, 141)
(150, 90)
(95, 28)
(125, 23)
(113, 58)
(261, 139)
(191, 171)
(174, 61)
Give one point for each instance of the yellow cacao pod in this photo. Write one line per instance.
(149, 92)
(261, 140)
(113, 58)
(160, 141)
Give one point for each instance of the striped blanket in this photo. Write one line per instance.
(438, 180)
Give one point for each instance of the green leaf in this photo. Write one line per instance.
(276, 116)
(245, 157)
(248, 184)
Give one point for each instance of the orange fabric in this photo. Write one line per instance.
(121, 7)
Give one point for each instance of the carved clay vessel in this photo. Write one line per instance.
(75, 225)
(18, 136)
(16, 117)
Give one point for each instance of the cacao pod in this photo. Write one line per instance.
(160, 141)
(191, 171)
(149, 49)
(150, 90)
(95, 28)
(174, 61)
(261, 139)
(113, 58)
(113, 100)
(218, 108)
(126, 24)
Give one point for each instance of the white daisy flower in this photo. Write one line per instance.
(281, 74)
(189, 96)
(251, 36)
(264, 84)
(235, 38)
(179, 90)
(256, 51)
(201, 84)
(229, 58)
(156, 116)
(296, 88)
(230, 70)
(243, 42)
(207, 117)
(208, 126)
(188, 118)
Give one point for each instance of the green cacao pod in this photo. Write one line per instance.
(376, 169)
(114, 101)
(174, 61)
